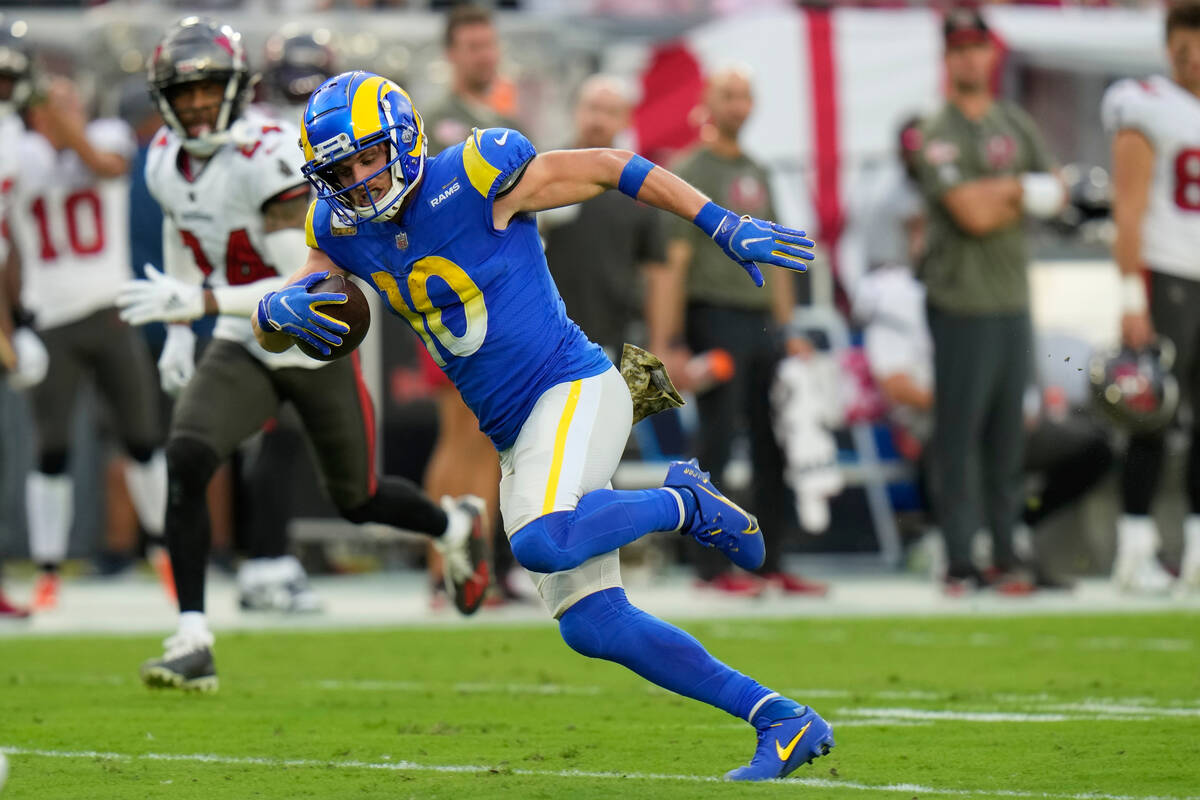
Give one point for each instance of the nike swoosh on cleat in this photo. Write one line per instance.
(785, 753)
(751, 526)
(500, 140)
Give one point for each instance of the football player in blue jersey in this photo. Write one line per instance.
(451, 245)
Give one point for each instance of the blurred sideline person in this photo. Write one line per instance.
(886, 221)
(234, 204)
(602, 251)
(472, 47)
(466, 269)
(69, 224)
(699, 306)
(463, 460)
(1065, 455)
(1155, 125)
(983, 167)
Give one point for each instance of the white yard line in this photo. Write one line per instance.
(461, 688)
(410, 766)
(1040, 707)
(952, 716)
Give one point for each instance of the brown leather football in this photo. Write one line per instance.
(354, 312)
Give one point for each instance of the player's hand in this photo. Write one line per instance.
(748, 240)
(1136, 330)
(65, 110)
(159, 298)
(32, 360)
(177, 363)
(292, 310)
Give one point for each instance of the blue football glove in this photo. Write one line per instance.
(294, 311)
(747, 240)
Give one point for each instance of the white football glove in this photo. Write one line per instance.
(32, 359)
(159, 298)
(177, 363)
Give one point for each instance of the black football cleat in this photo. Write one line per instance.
(466, 553)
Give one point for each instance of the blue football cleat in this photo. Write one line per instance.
(718, 522)
(785, 744)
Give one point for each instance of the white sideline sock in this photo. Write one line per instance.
(48, 507)
(147, 485)
(193, 624)
(1189, 566)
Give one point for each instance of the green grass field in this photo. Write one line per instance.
(1056, 707)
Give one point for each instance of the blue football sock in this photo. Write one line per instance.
(605, 625)
(603, 521)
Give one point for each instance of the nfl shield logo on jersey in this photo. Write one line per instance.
(402, 241)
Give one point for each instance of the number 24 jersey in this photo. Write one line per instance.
(217, 208)
(482, 300)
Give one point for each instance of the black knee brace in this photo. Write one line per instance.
(190, 466)
(53, 462)
(140, 453)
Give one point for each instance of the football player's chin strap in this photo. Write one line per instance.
(287, 251)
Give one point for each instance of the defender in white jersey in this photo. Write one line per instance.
(234, 205)
(69, 221)
(1155, 125)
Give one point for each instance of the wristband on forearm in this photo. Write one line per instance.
(242, 300)
(1133, 293)
(1042, 194)
(634, 175)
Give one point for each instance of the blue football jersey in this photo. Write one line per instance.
(482, 300)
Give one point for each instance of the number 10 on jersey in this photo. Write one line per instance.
(426, 318)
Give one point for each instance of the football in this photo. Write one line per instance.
(354, 312)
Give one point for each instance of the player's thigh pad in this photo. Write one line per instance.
(570, 445)
(53, 400)
(125, 377)
(228, 399)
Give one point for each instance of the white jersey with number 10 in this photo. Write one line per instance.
(70, 227)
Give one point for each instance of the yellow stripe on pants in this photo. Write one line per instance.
(560, 445)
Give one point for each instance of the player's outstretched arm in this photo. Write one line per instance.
(292, 314)
(1133, 175)
(562, 177)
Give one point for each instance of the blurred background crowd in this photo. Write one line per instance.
(815, 400)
